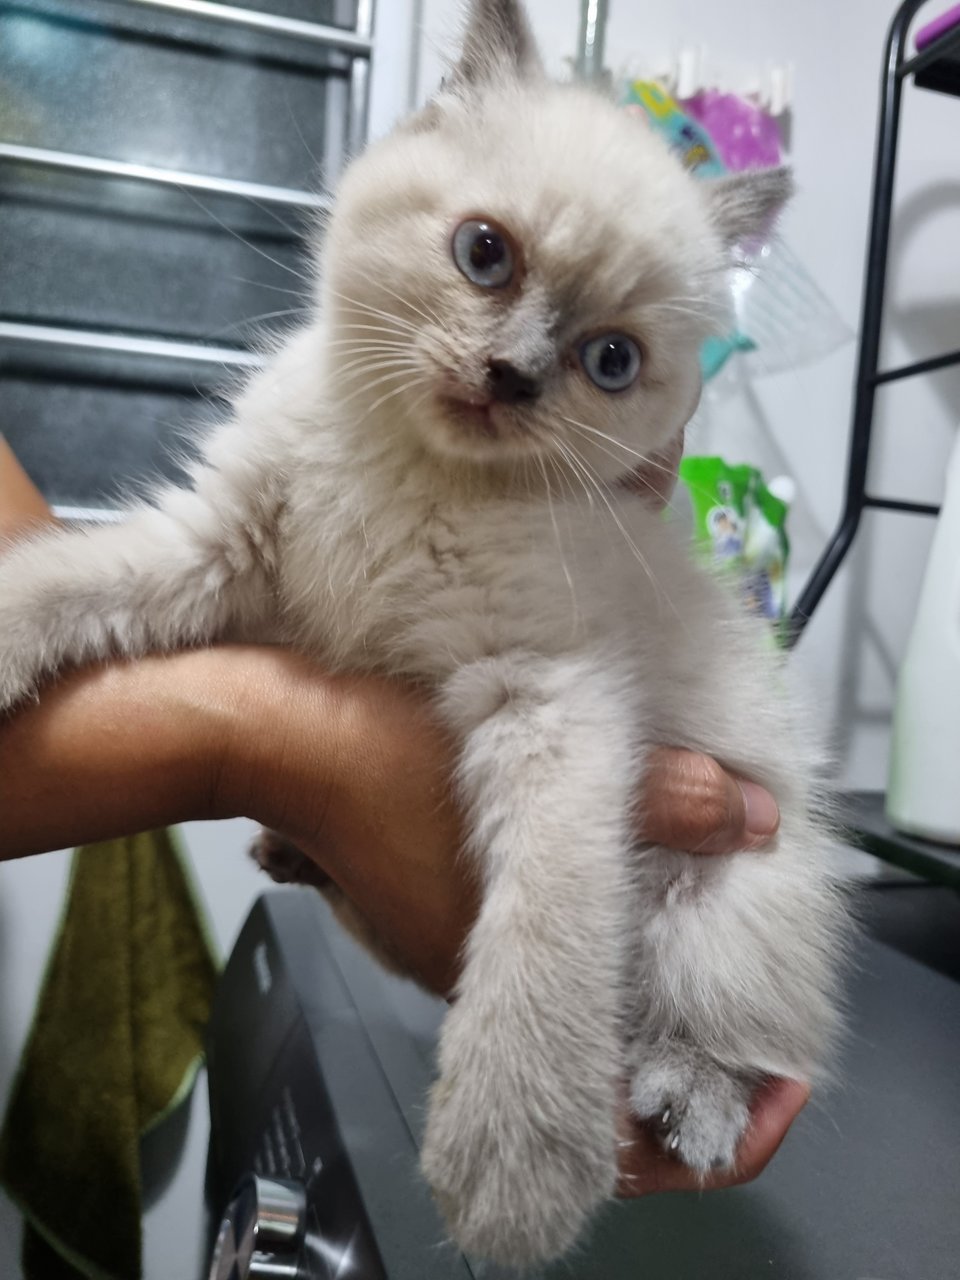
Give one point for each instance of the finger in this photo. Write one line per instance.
(689, 802)
(773, 1109)
(645, 1168)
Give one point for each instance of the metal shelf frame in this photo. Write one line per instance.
(898, 67)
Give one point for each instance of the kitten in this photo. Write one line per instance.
(423, 482)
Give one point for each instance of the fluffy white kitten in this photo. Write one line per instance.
(422, 482)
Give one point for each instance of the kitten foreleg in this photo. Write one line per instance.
(163, 579)
(520, 1144)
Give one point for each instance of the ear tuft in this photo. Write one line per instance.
(745, 205)
(498, 46)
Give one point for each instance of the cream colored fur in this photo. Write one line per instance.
(345, 510)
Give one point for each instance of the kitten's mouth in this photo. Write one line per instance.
(477, 416)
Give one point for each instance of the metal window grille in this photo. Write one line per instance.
(159, 163)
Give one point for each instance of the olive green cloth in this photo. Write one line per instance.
(115, 1045)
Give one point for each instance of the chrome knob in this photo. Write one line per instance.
(262, 1232)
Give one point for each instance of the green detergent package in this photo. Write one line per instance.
(741, 526)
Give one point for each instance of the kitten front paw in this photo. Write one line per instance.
(699, 1108)
(516, 1173)
(284, 862)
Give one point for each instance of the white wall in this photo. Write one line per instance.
(798, 422)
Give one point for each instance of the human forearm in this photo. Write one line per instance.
(355, 771)
(112, 751)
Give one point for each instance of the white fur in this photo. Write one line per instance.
(561, 623)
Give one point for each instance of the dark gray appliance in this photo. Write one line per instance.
(319, 1065)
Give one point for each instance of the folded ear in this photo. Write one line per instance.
(744, 205)
(498, 46)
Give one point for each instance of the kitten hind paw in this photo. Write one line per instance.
(699, 1108)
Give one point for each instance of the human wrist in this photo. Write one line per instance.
(270, 727)
(109, 751)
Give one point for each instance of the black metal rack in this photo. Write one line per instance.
(936, 68)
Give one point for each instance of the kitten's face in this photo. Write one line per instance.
(523, 271)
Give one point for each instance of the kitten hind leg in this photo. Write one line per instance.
(699, 1107)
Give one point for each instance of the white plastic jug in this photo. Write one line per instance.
(923, 795)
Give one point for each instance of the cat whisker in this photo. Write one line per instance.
(382, 367)
(643, 458)
(274, 288)
(575, 475)
(363, 342)
(407, 386)
(603, 449)
(295, 233)
(565, 484)
(376, 328)
(579, 462)
(371, 345)
(367, 361)
(225, 226)
(397, 322)
(556, 531)
(361, 367)
(706, 317)
(357, 372)
(306, 145)
(429, 315)
(253, 320)
(666, 503)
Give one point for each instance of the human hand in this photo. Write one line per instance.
(356, 773)
(646, 1169)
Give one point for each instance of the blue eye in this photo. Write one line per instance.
(612, 361)
(483, 254)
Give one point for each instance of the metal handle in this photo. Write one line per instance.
(262, 1233)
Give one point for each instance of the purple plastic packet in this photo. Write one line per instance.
(938, 27)
(744, 134)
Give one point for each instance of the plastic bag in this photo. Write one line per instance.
(781, 318)
(740, 524)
